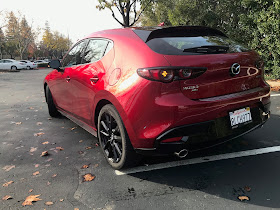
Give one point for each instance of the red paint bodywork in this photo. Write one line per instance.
(149, 108)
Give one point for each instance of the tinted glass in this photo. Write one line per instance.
(95, 50)
(74, 56)
(194, 45)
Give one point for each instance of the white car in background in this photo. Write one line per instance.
(11, 64)
(29, 64)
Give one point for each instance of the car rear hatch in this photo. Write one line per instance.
(227, 67)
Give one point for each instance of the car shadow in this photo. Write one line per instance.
(255, 176)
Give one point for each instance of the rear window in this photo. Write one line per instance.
(191, 44)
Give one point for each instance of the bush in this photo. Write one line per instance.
(42, 65)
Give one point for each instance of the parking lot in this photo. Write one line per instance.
(210, 179)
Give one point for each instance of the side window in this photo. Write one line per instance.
(74, 56)
(95, 50)
(7, 61)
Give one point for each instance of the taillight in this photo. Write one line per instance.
(169, 74)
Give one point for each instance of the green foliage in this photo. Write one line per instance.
(251, 22)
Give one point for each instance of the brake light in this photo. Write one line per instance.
(169, 74)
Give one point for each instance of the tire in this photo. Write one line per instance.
(13, 68)
(113, 139)
(28, 68)
(51, 106)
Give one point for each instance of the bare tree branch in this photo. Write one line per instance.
(135, 20)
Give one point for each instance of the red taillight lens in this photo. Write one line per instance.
(172, 140)
(168, 74)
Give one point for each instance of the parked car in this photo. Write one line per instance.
(40, 61)
(159, 90)
(11, 64)
(29, 64)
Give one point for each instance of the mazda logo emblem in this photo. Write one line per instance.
(235, 69)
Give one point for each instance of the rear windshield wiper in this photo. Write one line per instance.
(208, 49)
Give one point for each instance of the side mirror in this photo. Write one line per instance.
(55, 64)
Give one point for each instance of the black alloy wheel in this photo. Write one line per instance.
(114, 140)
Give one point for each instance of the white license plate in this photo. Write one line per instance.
(240, 117)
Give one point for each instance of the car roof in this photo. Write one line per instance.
(147, 33)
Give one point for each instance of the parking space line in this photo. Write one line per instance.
(275, 95)
(198, 160)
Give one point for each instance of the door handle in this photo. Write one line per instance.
(94, 79)
(67, 78)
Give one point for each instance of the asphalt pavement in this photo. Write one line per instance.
(26, 131)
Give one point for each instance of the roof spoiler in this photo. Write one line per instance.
(178, 31)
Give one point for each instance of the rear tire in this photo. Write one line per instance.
(28, 68)
(13, 68)
(113, 139)
(51, 106)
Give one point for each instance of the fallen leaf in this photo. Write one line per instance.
(96, 145)
(49, 118)
(36, 173)
(247, 188)
(48, 183)
(8, 183)
(45, 153)
(30, 190)
(45, 142)
(37, 165)
(81, 141)
(95, 166)
(39, 134)
(54, 175)
(8, 167)
(31, 108)
(50, 159)
(59, 148)
(61, 200)
(48, 203)
(29, 199)
(76, 208)
(80, 152)
(7, 197)
(88, 177)
(84, 166)
(59, 164)
(18, 123)
(39, 123)
(33, 149)
(243, 197)
(73, 128)
(88, 147)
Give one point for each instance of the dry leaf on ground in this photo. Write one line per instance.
(54, 175)
(97, 145)
(243, 198)
(247, 188)
(31, 108)
(73, 128)
(81, 141)
(48, 183)
(88, 177)
(39, 123)
(8, 183)
(30, 190)
(48, 203)
(81, 152)
(59, 148)
(61, 200)
(8, 167)
(36, 173)
(18, 123)
(45, 142)
(37, 165)
(49, 118)
(39, 134)
(85, 166)
(33, 149)
(76, 208)
(88, 147)
(29, 199)
(7, 197)
(45, 153)
(95, 166)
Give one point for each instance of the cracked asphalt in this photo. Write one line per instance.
(25, 125)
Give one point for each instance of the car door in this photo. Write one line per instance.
(87, 79)
(62, 88)
(1, 64)
(7, 64)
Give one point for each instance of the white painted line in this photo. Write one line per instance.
(275, 95)
(199, 160)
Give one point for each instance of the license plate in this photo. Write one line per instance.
(240, 117)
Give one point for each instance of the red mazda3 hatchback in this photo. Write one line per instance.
(159, 90)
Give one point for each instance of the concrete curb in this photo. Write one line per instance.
(9, 70)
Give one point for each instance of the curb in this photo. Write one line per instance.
(9, 70)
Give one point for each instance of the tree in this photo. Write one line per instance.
(126, 8)
(2, 43)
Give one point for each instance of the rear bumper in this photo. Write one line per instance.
(206, 134)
